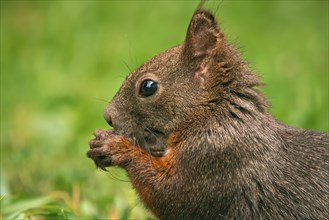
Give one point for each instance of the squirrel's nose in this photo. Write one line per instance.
(108, 119)
(110, 115)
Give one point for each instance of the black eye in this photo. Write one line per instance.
(148, 88)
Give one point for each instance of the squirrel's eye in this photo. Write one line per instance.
(148, 88)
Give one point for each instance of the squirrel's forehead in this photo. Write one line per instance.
(160, 63)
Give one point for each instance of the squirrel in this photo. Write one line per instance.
(197, 140)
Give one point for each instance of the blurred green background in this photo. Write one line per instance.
(61, 61)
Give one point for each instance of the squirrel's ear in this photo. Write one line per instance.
(201, 38)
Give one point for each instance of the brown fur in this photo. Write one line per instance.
(205, 145)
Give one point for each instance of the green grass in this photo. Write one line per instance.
(61, 61)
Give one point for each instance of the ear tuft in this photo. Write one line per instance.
(202, 35)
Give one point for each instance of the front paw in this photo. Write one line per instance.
(100, 150)
(109, 149)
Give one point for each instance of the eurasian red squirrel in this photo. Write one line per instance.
(197, 139)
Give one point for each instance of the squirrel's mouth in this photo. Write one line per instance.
(153, 141)
(150, 139)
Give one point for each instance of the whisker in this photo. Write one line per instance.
(152, 133)
(134, 139)
(99, 99)
(218, 6)
(116, 177)
(126, 64)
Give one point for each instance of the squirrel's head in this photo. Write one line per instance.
(184, 86)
